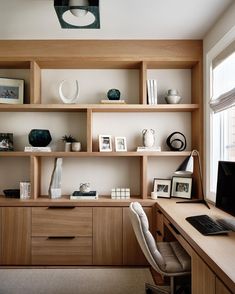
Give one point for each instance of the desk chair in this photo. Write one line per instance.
(167, 258)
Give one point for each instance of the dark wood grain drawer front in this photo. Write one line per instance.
(51, 221)
(61, 250)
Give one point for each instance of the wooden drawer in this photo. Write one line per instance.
(62, 251)
(61, 221)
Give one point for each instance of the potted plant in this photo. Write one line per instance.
(71, 144)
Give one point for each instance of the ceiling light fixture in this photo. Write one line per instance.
(78, 14)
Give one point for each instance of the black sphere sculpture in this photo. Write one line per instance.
(176, 142)
(39, 138)
(114, 94)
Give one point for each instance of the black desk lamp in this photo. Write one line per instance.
(186, 168)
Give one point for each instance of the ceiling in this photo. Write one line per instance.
(120, 19)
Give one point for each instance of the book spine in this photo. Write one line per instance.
(154, 91)
(148, 92)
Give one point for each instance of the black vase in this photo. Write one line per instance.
(39, 138)
(114, 94)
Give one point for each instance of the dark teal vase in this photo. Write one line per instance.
(39, 138)
(113, 94)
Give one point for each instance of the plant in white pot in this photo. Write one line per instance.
(71, 144)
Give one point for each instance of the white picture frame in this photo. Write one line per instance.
(181, 187)
(162, 187)
(105, 143)
(120, 144)
(11, 91)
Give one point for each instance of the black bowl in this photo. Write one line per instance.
(12, 193)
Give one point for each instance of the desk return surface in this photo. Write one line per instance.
(217, 251)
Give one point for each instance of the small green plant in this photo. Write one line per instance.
(69, 139)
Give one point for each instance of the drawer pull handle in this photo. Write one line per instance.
(174, 229)
(159, 233)
(61, 237)
(159, 211)
(61, 207)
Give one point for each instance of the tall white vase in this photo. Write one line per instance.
(55, 184)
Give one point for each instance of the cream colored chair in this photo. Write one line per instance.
(167, 258)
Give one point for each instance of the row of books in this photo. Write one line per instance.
(78, 195)
(152, 91)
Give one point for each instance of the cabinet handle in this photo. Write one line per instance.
(159, 233)
(159, 211)
(174, 229)
(60, 237)
(61, 207)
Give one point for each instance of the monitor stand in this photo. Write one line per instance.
(195, 201)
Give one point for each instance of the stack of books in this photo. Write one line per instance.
(37, 149)
(107, 101)
(78, 195)
(148, 149)
(152, 91)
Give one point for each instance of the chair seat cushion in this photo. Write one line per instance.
(175, 257)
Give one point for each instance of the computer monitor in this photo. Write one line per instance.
(225, 193)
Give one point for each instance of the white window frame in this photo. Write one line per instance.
(208, 114)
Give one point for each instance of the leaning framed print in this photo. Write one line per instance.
(181, 187)
(120, 144)
(162, 187)
(11, 91)
(105, 143)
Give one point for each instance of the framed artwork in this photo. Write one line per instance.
(181, 187)
(11, 91)
(162, 187)
(105, 143)
(120, 144)
(6, 142)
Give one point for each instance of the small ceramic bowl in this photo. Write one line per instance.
(173, 99)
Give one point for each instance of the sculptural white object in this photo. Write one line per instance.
(71, 100)
(55, 184)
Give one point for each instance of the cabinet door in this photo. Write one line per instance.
(160, 226)
(16, 235)
(203, 279)
(221, 288)
(107, 236)
(132, 253)
(0, 235)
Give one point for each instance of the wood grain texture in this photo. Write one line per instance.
(132, 253)
(0, 235)
(203, 279)
(35, 176)
(107, 236)
(16, 236)
(221, 288)
(61, 221)
(143, 176)
(142, 83)
(89, 129)
(76, 251)
(159, 226)
(35, 83)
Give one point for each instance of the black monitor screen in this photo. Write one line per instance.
(225, 193)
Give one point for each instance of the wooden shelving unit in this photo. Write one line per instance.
(35, 56)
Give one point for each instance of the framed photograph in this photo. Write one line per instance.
(120, 144)
(162, 187)
(181, 187)
(105, 143)
(6, 142)
(11, 91)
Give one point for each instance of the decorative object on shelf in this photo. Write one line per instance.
(181, 187)
(78, 195)
(107, 101)
(12, 193)
(120, 193)
(55, 183)
(37, 149)
(85, 187)
(120, 144)
(76, 146)
(68, 140)
(176, 141)
(148, 137)
(11, 91)
(152, 92)
(149, 149)
(39, 138)
(162, 188)
(105, 143)
(73, 99)
(172, 97)
(6, 142)
(78, 14)
(113, 94)
(25, 190)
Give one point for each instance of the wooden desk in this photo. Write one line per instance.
(213, 257)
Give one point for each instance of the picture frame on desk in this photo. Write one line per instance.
(11, 91)
(162, 187)
(181, 187)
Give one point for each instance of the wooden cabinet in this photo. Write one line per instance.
(159, 225)
(61, 235)
(107, 236)
(132, 253)
(220, 287)
(16, 235)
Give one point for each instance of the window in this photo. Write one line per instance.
(222, 120)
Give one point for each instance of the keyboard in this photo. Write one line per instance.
(206, 225)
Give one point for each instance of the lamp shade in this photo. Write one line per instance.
(186, 167)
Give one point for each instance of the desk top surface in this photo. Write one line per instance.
(217, 251)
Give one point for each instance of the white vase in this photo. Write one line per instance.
(67, 146)
(55, 184)
(148, 137)
(76, 146)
